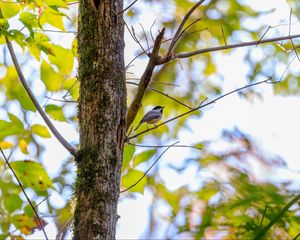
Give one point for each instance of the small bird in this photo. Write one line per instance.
(152, 117)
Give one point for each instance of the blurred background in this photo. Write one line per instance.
(238, 163)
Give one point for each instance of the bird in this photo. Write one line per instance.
(151, 117)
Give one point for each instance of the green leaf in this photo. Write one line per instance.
(12, 202)
(56, 112)
(40, 130)
(18, 37)
(23, 146)
(9, 9)
(58, 3)
(53, 80)
(143, 157)
(63, 58)
(8, 129)
(29, 20)
(53, 18)
(16, 121)
(131, 178)
(14, 90)
(32, 174)
(128, 155)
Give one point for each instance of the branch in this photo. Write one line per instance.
(162, 146)
(276, 218)
(159, 157)
(178, 32)
(23, 190)
(162, 93)
(145, 80)
(129, 6)
(201, 106)
(55, 132)
(167, 58)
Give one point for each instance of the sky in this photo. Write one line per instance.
(273, 122)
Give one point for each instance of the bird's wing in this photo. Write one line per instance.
(150, 115)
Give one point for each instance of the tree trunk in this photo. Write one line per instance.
(102, 110)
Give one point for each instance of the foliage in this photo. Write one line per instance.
(236, 205)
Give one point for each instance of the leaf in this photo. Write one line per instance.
(63, 58)
(143, 157)
(9, 9)
(40, 130)
(6, 145)
(8, 129)
(24, 223)
(23, 146)
(53, 80)
(131, 178)
(58, 3)
(55, 112)
(32, 174)
(128, 155)
(53, 18)
(16, 121)
(29, 20)
(12, 202)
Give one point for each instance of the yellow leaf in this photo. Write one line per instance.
(6, 145)
(23, 146)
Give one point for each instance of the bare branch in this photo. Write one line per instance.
(59, 100)
(159, 157)
(167, 58)
(178, 32)
(162, 146)
(145, 80)
(202, 106)
(129, 6)
(162, 93)
(153, 81)
(23, 190)
(58, 136)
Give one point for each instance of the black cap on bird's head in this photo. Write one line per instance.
(158, 107)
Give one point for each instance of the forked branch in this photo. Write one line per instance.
(145, 80)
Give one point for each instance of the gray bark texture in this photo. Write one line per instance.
(102, 113)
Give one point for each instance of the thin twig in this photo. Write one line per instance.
(55, 132)
(153, 81)
(296, 237)
(177, 34)
(162, 93)
(287, 67)
(201, 106)
(292, 42)
(42, 200)
(163, 146)
(23, 190)
(145, 35)
(151, 30)
(167, 58)
(159, 157)
(261, 233)
(129, 6)
(63, 228)
(223, 35)
(263, 36)
(59, 100)
(164, 41)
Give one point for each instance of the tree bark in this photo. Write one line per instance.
(102, 112)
